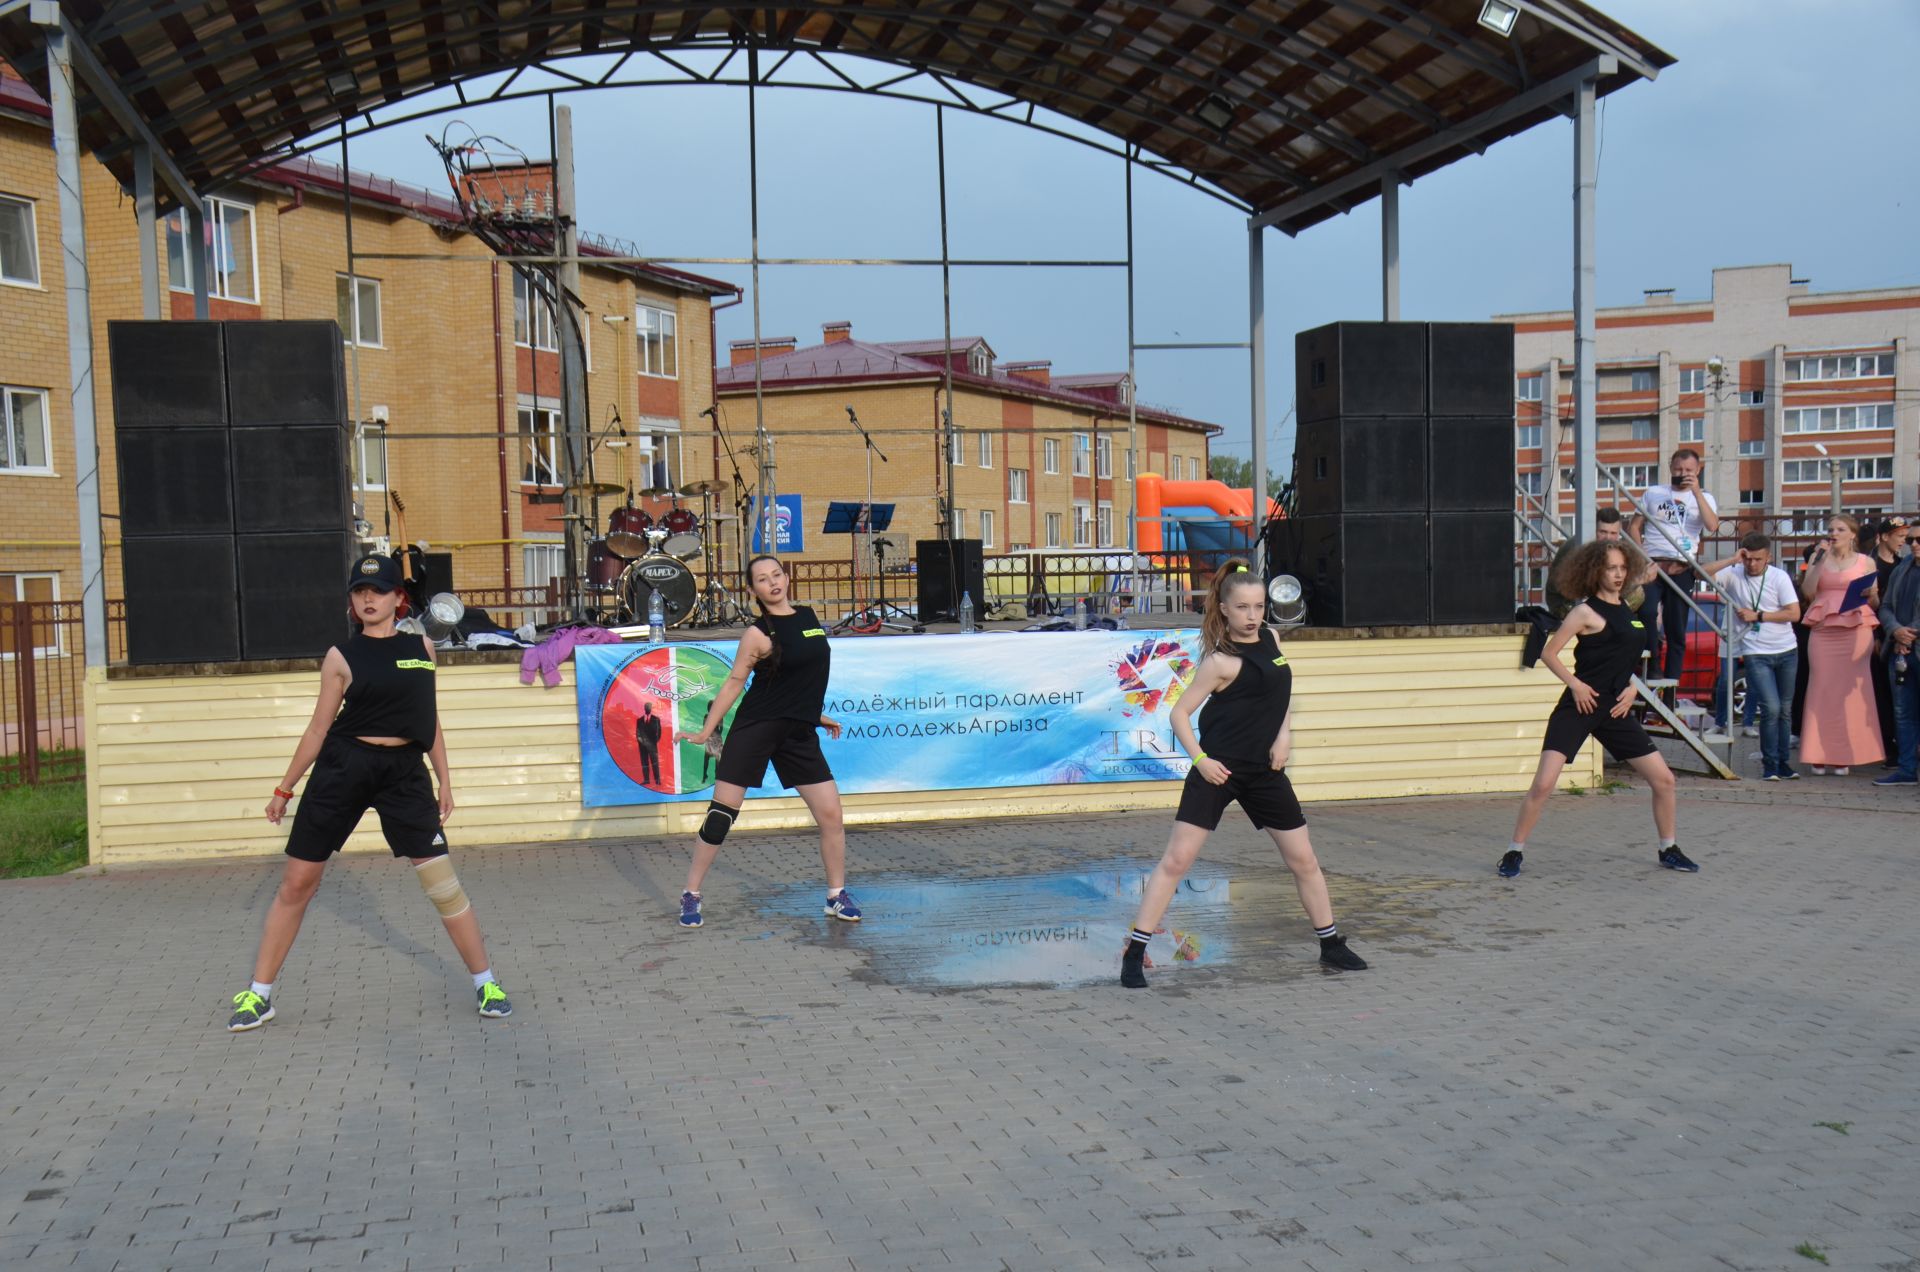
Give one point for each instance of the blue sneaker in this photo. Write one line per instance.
(1788, 773)
(1896, 778)
(1510, 864)
(840, 906)
(690, 909)
(1673, 859)
(1770, 776)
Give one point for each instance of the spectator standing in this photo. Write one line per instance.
(1889, 550)
(1679, 515)
(1839, 729)
(1765, 607)
(1900, 622)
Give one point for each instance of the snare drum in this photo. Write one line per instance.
(603, 567)
(627, 532)
(683, 533)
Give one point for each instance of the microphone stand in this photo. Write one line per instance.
(743, 500)
(879, 610)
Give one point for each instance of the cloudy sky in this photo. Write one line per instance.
(1782, 135)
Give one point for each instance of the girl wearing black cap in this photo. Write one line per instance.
(373, 723)
(1247, 727)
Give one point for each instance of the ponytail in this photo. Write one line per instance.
(1232, 573)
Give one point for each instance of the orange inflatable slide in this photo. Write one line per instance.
(1155, 497)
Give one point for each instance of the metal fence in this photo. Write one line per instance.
(43, 688)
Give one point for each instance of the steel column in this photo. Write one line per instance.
(145, 217)
(1390, 247)
(1257, 359)
(195, 256)
(1585, 178)
(769, 518)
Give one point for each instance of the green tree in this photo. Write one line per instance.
(1238, 474)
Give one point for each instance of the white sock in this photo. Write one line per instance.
(265, 991)
(1666, 844)
(482, 978)
(1516, 846)
(834, 892)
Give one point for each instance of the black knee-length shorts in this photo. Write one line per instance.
(1568, 731)
(352, 776)
(791, 746)
(1263, 793)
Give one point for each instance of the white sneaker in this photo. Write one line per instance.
(1715, 737)
(1749, 731)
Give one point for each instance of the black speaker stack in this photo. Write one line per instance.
(1403, 474)
(945, 570)
(235, 513)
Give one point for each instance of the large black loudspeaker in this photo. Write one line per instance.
(1472, 463)
(174, 481)
(947, 568)
(1472, 567)
(286, 373)
(1374, 464)
(182, 604)
(1361, 368)
(293, 598)
(1470, 368)
(1358, 570)
(167, 375)
(290, 477)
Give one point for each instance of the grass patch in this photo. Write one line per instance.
(1612, 787)
(1808, 1250)
(1576, 789)
(1841, 1127)
(43, 829)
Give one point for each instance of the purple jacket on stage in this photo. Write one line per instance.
(546, 657)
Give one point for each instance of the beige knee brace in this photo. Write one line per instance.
(442, 887)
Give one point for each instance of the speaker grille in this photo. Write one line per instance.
(182, 605)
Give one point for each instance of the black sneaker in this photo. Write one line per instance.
(250, 1011)
(1788, 773)
(1133, 972)
(1510, 864)
(491, 1000)
(1335, 954)
(1673, 859)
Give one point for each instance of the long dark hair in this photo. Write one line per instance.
(771, 662)
(1213, 622)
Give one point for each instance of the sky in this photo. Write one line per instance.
(1781, 135)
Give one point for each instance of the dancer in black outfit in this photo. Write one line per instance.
(1598, 701)
(787, 654)
(374, 722)
(1247, 727)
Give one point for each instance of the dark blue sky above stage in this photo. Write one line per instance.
(1783, 135)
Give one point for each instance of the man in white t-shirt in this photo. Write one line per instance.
(1765, 608)
(1678, 516)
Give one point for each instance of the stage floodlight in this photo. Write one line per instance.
(1498, 17)
(1216, 112)
(1285, 598)
(342, 83)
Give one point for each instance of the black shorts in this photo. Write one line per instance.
(792, 745)
(352, 776)
(1568, 731)
(1264, 794)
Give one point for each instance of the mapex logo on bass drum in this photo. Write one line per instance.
(660, 573)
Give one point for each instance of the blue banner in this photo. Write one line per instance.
(921, 713)
(790, 527)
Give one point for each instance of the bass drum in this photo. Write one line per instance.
(683, 533)
(627, 532)
(658, 573)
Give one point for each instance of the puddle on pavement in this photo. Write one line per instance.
(1067, 928)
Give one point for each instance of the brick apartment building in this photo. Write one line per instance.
(1039, 460)
(445, 345)
(1800, 368)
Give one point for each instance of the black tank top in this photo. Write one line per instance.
(391, 694)
(1241, 720)
(797, 688)
(1606, 660)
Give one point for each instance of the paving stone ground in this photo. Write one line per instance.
(1598, 1065)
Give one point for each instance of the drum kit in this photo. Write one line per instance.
(641, 554)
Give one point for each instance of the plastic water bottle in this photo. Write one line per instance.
(966, 614)
(1079, 613)
(656, 618)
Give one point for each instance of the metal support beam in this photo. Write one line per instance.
(1585, 340)
(1549, 94)
(568, 303)
(145, 218)
(73, 265)
(1390, 247)
(197, 257)
(1257, 363)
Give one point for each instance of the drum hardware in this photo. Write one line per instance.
(658, 572)
(700, 489)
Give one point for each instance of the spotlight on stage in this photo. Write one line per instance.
(1216, 112)
(1498, 17)
(1286, 600)
(444, 612)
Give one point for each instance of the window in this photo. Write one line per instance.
(1754, 449)
(1082, 448)
(1642, 430)
(959, 530)
(24, 415)
(957, 446)
(1530, 483)
(540, 457)
(1103, 457)
(1644, 381)
(1529, 436)
(19, 249)
(357, 307)
(1753, 397)
(1566, 479)
(1053, 529)
(1693, 380)
(373, 457)
(1837, 419)
(1848, 366)
(986, 528)
(227, 255)
(543, 563)
(1860, 469)
(977, 360)
(655, 329)
(1752, 498)
(660, 458)
(1528, 388)
(1051, 454)
(1019, 547)
(986, 450)
(31, 588)
(532, 314)
(1693, 428)
(1082, 526)
(1635, 477)
(1016, 485)
(1103, 525)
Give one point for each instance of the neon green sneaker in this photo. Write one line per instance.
(250, 1011)
(493, 1000)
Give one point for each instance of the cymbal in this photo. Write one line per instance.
(596, 488)
(655, 492)
(573, 516)
(703, 488)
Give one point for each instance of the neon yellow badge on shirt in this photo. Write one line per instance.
(1637, 623)
(414, 664)
(1281, 661)
(814, 631)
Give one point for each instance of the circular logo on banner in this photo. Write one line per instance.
(1153, 674)
(652, 706)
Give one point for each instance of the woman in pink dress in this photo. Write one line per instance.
(1840, 728)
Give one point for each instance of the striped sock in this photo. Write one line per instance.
(1328, 932)
(1137, 940)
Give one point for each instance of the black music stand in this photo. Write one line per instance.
(853, 518)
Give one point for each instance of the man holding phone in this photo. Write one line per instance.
(1679, 515)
